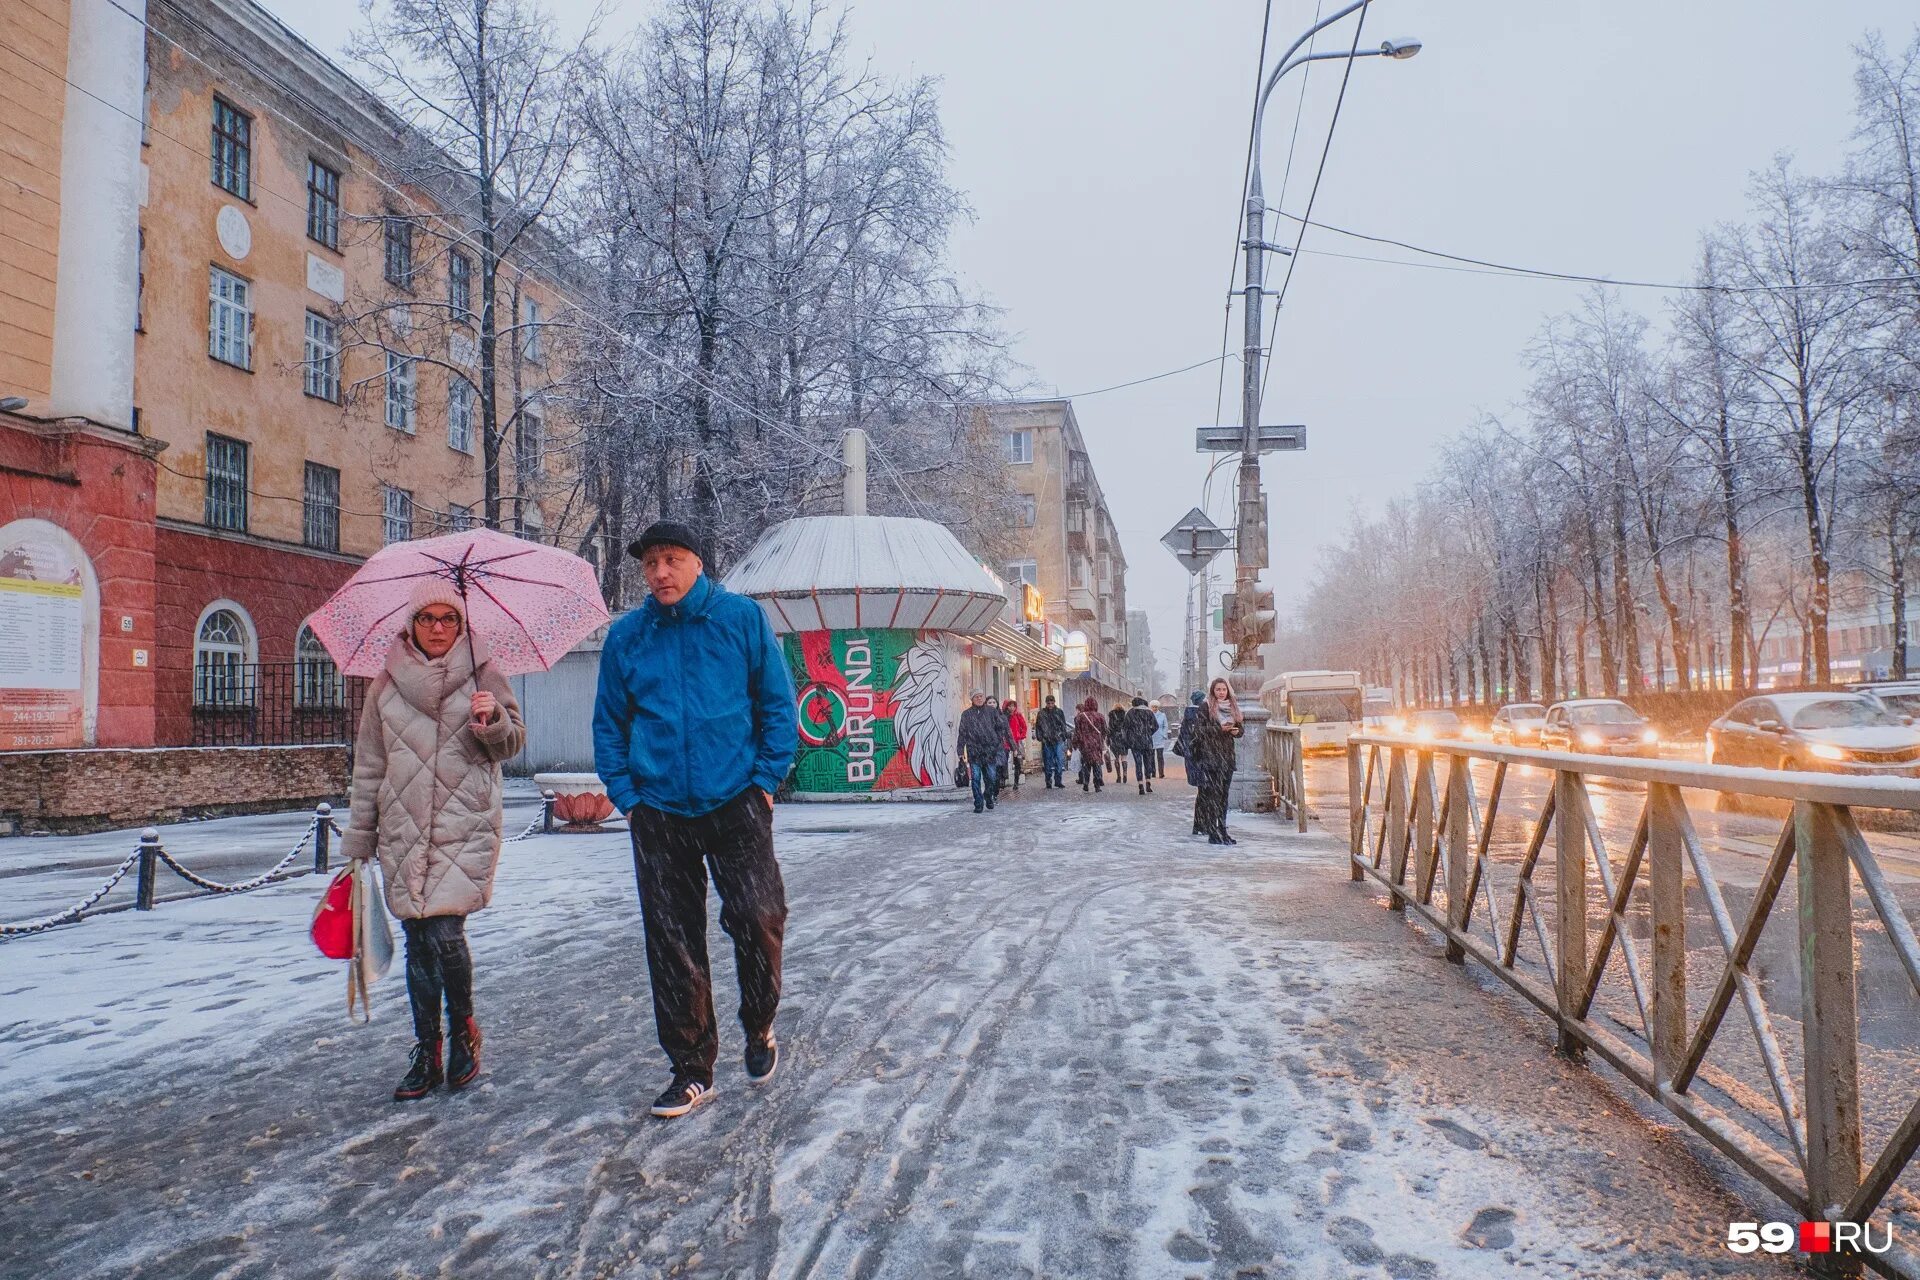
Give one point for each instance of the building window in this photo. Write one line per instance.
(460, 286)
(530, 321)
(323, 357)
(226, 483)
(1019, 446)
(396, 509)
(320, 508)
(229, 319)
(323, 204)
(460, 395)
(399, 252)
(232, 149)
(317, 682)
(400, 392)
(223, 661)
(1029, 511)
(459, 517)
(1026, 571)
(530, 458)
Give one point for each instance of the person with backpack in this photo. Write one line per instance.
(1050, 726)
(1117, 742)
(1141, 726)
(1090, 736)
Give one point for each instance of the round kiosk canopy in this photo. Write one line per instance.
(841, 573)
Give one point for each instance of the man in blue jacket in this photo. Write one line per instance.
(694, 729)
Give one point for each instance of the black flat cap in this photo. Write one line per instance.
(668, 533)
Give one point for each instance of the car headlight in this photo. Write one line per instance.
(1649, 735)
(1588, 738)
(1826, 751)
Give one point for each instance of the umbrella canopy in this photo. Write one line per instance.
(533, 603)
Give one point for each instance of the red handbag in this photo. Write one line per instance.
(332, 927)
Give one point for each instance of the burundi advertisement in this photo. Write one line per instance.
(876, 713)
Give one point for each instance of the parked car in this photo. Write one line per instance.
(1826, 732)
(1902, 697)
(1518, 724)
(1600, 727)
(1431, 725)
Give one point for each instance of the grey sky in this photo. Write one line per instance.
(1101, 146)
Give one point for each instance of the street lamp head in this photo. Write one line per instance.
(1401, 49)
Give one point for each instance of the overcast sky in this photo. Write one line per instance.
(1101, 144)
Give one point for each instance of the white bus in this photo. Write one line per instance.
(1326, 706)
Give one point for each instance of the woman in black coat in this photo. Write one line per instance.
(1117, 741)
(1215, 732)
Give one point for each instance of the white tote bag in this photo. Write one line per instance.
(372, 937)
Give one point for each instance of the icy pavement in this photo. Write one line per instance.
(1061, 1039)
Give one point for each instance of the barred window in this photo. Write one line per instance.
(323, 204)
(459, 517)
(317, 682)
(229, 318)
(460, 286)
(396, 507)
(223, 661)
(320, 508)
(226, 482)
(232, 149)
(460, 396)
(400, 392)
(399, 252)
(323, 357)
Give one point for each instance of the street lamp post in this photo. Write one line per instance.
(1250, 544)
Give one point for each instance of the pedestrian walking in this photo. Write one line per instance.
(1017, 733)
(1183, 747)
(1141, 727)
(694, 729)
(1050, 726)
(1215, 731)
(1160, 739)
(982, 731)
(1090, 737)
(425, 800)
(1117, 747)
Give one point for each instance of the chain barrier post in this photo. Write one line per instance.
(149, 867)
(546, 812)
(322, 835)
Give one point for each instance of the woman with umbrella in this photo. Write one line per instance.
(442, 623)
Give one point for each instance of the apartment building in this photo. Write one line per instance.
(1071, 551)
(237, 354)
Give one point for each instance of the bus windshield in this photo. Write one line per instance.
(1321, 706)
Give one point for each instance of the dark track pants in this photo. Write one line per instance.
(438, 965)
(671, 857)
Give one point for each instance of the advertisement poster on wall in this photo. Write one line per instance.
(876, 710)
(42, 633)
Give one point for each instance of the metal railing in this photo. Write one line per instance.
(1286, 760)
(1573, 923)
(274, 704)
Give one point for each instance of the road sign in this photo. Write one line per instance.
(1273, 439)
(1196, 540)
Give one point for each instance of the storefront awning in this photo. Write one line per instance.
(1022, 648)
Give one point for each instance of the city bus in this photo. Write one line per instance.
(1326, 706)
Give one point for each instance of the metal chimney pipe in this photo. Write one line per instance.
(853, 452)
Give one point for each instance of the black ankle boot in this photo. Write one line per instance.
(463, 1056)
(423, 1072)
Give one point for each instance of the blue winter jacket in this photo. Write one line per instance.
(695, 704)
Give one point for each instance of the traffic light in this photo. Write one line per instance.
(1252, 622)
(1230, 617)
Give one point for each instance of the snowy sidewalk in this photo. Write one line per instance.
(1059, 1039)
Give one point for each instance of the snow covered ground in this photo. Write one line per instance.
(1061, 1039)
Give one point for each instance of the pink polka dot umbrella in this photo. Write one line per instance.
(532, 603)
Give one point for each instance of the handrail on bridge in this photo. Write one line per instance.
(1803, 1142)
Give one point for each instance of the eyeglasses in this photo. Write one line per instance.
(437, 621)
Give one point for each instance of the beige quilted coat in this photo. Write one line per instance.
(426, 782)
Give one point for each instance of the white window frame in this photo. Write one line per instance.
(322, 375)
(229, 318)
(316, 517)
(1029, 510)
(1019, 447)
(1027, 571)
(532, 467)
(530, 339)
(403, 400)
(226, 491)
(459, 517)
(396, 514)
(317, 682)
(461, 397)
(223, 666)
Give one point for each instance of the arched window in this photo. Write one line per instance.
(223, 670)
(317, 682)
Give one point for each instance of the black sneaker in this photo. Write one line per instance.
(682, 1096)
(762, 1057)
